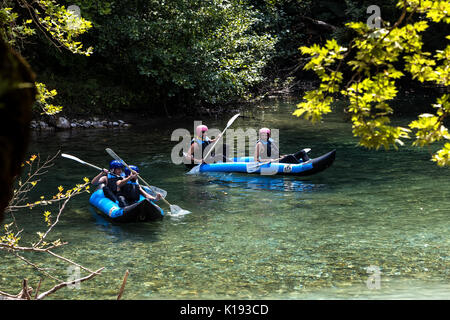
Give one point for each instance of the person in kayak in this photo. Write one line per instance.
(130, 190)
(202, 141)
(266, 147)
(110, 179)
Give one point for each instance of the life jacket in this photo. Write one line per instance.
(112, 182)
(202, 143)
(267, 145)
(131, 191)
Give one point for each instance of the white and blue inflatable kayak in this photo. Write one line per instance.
(242, 165)
(143, 210)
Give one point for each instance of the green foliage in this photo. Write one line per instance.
(43, 97)
(377, 55)
(60, 26)
(192, 51)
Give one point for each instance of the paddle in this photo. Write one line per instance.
(196, 169)
(254, 166)
(68, 156)
(173, 208)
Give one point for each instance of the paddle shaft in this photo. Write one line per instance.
(221, 135)
(142, 179)
(256, 166)
(270, 161)
(68, 156)
(263, 163)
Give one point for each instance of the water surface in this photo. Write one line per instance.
(253, 237)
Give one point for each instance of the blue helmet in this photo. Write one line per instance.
(115, 164)
(128, 172)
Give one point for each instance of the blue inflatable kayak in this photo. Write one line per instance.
(244, 164)
(143, 210)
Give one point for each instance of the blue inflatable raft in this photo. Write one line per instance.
(242, 165)
(143, 210)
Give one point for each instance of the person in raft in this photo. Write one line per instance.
(203, 141)
(265, 147)
(110, 180)
(130, 190)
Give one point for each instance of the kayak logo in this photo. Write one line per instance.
(236, 145)
(112, 210)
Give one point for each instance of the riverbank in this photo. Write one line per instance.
(63, 123)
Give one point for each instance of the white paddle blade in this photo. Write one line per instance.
(68, 156)
(230, 122)
(115, 156)
(158, 190)
(177, 211)
(252, 167)
(195, 170)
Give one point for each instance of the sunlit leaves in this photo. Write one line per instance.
(42, 99)
(430, 127)
(442, 157)
(63, 25)
(377, 54)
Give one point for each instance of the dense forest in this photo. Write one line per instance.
(172, 57)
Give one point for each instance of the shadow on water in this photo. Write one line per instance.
(145, 232)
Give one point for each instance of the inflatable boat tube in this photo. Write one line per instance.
(241, 165)
(141, 211)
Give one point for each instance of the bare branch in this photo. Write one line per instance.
(65, 284)
(124, 282)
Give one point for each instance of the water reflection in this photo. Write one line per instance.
(258, 182)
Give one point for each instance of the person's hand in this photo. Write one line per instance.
(105, 172)
(158, 196)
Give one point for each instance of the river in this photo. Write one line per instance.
(374, 225)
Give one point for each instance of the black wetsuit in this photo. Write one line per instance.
(130, 192)
(110, 190)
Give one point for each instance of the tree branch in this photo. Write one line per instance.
(65, 284)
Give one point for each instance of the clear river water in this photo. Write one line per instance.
(375, 225)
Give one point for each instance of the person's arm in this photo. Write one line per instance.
(101, 177)
(256, 157)
(216, 138)
(122, 182)
(191, 153)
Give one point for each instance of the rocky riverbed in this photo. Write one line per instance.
(62, 123)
